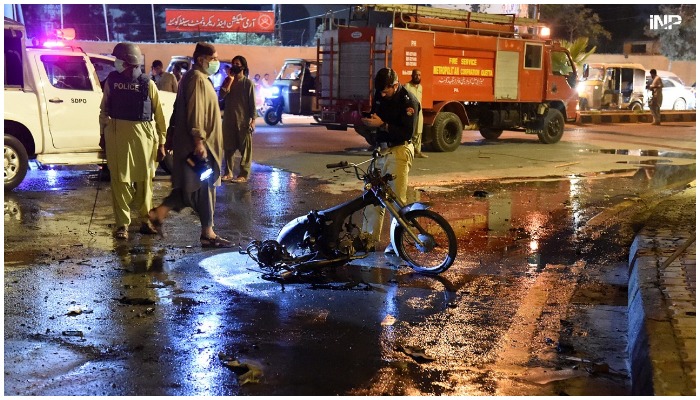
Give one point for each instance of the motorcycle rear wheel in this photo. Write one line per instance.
(440, 242)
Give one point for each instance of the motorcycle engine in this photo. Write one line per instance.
(345, 246)
(270, 253)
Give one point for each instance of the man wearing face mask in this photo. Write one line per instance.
(197, 133)
(239, 120)
(131, 143)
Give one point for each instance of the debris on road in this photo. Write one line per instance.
(246, 370)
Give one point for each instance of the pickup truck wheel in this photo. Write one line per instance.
(370, 135)
(447, 132)
(271, 117)
(490, 133)
(16, 162)
(553, 127)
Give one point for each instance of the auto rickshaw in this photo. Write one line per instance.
(612, 86)
(292, 92)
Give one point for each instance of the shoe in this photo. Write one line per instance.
(390, 250)
(240, 179)
(154, 222)
(421, 155)
(656, 123)
(227, 178)
(215, 242)
(147, 228)
(122, 233)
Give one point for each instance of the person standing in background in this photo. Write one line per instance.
(164, 80)
(129, 104)
(239, 121)
(657, 97)
(415, 88)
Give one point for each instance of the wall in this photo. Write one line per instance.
(684, 69)
(261, 59)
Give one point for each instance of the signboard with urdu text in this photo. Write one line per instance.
(219, 21)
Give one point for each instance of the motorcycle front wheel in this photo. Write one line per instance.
(438, 249)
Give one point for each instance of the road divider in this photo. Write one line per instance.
(622, 117)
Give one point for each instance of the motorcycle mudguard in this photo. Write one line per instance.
(292, 234)
(410, 207)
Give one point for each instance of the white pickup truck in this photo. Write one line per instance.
(52, 105)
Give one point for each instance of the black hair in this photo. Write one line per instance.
(244, 64)
(385, 78)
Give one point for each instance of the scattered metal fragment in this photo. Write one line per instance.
(388, 320)
(246, 370)
(418, 355)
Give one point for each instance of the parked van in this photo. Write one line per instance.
(612, 86)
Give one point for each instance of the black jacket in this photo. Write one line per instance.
(400, 112)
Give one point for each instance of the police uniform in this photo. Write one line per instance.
(400, 116)
(131, 142)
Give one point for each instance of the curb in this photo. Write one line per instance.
(631, 117)
(661, 309)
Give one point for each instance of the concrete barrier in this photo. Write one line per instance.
(623, 117)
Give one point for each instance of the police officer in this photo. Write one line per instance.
(131, 142)
(395, 115)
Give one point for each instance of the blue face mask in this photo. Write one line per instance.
(213, 67)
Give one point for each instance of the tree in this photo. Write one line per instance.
(569, 21)
(577, 48)
(252, 39)
(677, 43)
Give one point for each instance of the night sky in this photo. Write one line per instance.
(624, 22)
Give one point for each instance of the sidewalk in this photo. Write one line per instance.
(661, 300)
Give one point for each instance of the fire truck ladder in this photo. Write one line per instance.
(499, 24)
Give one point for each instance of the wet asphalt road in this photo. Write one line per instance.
(535, 304)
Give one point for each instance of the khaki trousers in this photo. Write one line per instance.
(397, 162)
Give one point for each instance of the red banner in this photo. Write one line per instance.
(219, 21)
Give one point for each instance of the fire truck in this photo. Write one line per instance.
(494, 72)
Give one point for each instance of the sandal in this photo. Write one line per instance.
(215, 242)
(227, 178)
(154, 223)
(122, 233)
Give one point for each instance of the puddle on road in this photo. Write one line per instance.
(644, 153)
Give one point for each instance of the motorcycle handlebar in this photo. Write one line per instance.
(341, 164)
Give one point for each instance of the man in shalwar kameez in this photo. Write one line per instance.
(132, 144)
(197, 131)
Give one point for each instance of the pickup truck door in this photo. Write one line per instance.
(72, 102)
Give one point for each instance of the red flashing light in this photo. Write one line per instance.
(54, 43)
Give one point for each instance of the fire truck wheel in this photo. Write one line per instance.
(370, 135)
(447, 132)
(490, 133)
(553, 127)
